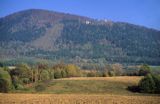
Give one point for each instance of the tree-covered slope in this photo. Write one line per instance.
(59, 36)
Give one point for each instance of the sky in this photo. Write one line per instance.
(139, 12)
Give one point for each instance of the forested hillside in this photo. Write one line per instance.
(76, 39)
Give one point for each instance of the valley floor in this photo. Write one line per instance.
(76, 99)
(82, 90)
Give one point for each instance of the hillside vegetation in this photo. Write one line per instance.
(76, 39)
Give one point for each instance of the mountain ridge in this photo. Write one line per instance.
(76, 15)
(46, 34)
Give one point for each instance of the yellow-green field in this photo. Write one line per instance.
(76, 99)
(108, 90)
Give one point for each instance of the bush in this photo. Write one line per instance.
(111, 73)
(5, 81)
(72, 70)
(4, 86)
(156, 79)
(1, 64)
(19, 87)
(144, 70)
(147, 84)
(22, 74)
(22, 71)
(133, 88)
(15, 80)
(45, 75)
(57, 74)
(104, 74)
(117, 69)
(25, 80)
(40, 87)
(63, 73)
(51, 74)
(91, 74)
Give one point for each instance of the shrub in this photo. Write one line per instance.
(72, 71)
(5, 81)
(91, 74)
(57, 74)
(133, 88)
(19, 87)
(156, 79)
(118, 69)
(147, 84)
(15, 81)
(25, 80)
(22, 71)
(45, 75)
(40, 87)
(144, 70)
(1, 64)
(104, 74)
(22, 74)
(51, 74)
(111, 73)
(63, 73)
(4, 86)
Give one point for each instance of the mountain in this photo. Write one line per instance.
(57, 36)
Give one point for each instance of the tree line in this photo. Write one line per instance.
(16, 78)
(23, 74)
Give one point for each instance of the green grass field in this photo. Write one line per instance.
(87, 87)
(103, 85)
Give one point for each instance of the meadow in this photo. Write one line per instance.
(92, 85)
(76, 99)
(80, 90)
